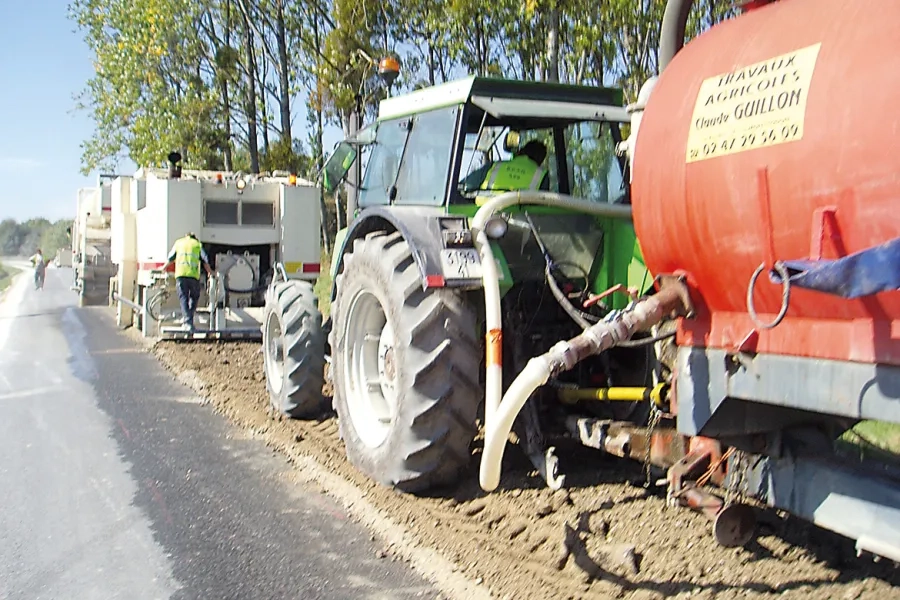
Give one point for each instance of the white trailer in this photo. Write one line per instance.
(63, 258)
(251, 228)
(91, 236)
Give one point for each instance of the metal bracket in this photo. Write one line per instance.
(544, 459)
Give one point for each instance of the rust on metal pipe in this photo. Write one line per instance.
(672, 299)
(703, 502)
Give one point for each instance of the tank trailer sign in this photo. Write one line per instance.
(763, 104)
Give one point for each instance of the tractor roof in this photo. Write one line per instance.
(505, 97)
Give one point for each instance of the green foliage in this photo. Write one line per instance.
(23, 239)
(221, 81)
(12, 236)
(55, 237)
(6, 275)
(283, 157)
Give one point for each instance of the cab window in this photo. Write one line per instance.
(410, 160)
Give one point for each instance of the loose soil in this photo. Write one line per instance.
(624, 543)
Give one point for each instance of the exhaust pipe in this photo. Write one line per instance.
(116, 297)
(174, 166)
(671, 35)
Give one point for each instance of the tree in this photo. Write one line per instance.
(223, 81)
(12, 235)
(23, 239)
(55, 237)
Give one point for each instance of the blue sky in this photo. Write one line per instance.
(43, 64)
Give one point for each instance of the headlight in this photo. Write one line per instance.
(496, 227)
(241, 184)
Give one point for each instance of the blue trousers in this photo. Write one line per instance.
(188, 295)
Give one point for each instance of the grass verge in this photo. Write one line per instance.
(323, 286)
(873, 439)
(6, 275)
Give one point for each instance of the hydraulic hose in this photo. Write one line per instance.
(562, 357)
(491, 281)
(253, 290)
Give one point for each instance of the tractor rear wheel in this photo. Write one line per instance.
(294, 349)
(405, 366)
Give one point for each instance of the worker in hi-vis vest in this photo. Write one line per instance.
(188, 255)
(522, 172)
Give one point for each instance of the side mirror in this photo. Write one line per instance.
(337, 165)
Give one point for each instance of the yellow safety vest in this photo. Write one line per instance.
(518, 173)
(187, 258)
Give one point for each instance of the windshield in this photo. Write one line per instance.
(410, 160)
(383, 163)
(592, 170)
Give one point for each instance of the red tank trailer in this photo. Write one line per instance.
(767, 140)
(766, 178)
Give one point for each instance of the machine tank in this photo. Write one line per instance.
(772, 137)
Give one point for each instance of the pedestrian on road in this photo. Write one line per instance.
(187, 253)
(40, 268)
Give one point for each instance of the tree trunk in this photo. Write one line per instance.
(553, 44)
(226, 148)
(283, 72)
(262, 78)
(253, 141)
(320, 144)
(265, 128)
(320, 164)
(226, 100)
(430, 63)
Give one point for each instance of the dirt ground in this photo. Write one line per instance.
(625, 542)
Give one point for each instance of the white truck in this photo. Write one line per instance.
(63, 258)
(91, 237)
(252, 227)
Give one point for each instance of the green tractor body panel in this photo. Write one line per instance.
(336, 255)
(623, 262)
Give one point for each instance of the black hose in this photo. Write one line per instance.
(155, 303)
(583, 319)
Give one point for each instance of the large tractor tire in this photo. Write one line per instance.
(294, 349)
(405, 366)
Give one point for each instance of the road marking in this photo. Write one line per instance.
(31, 392)
(10, 303)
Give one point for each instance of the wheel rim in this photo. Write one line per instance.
(274, 354)
(370, 371)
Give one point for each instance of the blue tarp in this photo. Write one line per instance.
(862, 274)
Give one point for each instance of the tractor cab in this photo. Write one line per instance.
(440, 149)
(456, 131)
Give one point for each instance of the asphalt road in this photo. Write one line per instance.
(116, 483)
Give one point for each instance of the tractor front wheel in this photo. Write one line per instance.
(294, 349)
(405, 368)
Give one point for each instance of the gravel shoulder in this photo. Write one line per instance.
(602, 537)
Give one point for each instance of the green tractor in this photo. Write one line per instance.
(417, 340)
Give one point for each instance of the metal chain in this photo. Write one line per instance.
(655, 415)
(736, 484)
